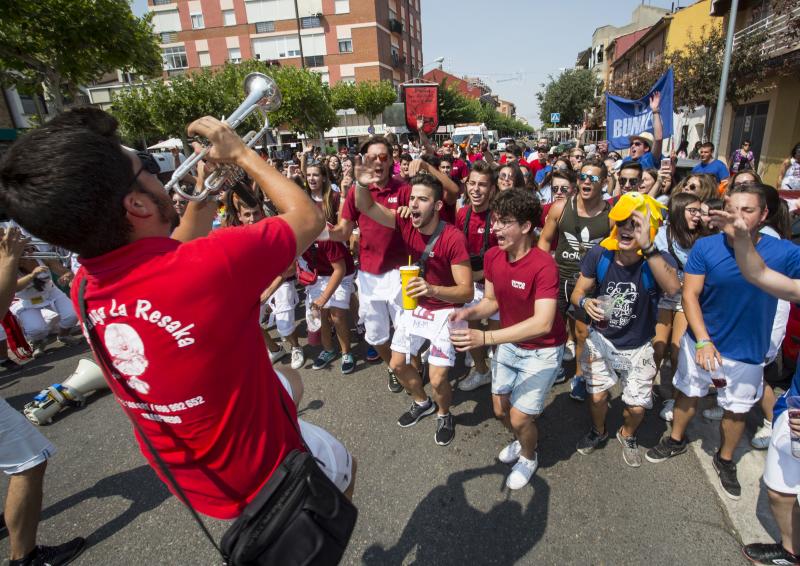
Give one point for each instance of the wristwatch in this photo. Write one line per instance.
(583, 301)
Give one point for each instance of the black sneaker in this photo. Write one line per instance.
(10, 365)
(591, 441)
(445, 429)
(773, 554)
(52, 555)
(415, 413)
(666, 449)
(393, 383)
(727, 477)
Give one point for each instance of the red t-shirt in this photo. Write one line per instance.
(381, 249)
(460, 170)
(450, 248)
(476, 230)
(518, 285)
(180, 323)
(536, 165)
(475, 157)
(322, 256)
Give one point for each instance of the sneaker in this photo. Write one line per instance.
(665, 449)
(10, 365)
(298, 358)
(727, 477)
(445, 429)
(38, 347)
(713, 414)
(761, 439)
(510, 453)
(468, 361)
(591, 441)
(522, 472)
(668, 410)
(393, 383)
(372, 355)
(348, 363)
(416, 412)
(630, 450)
(578, 389)
(561, 376)
(52, 555)
(474, 380)
(761, 553)
(278, 354)
(69, 340)
(569, 351)
(323, 359)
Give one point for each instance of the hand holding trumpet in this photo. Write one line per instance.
(226, 145)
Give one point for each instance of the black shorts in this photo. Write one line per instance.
(567, 309)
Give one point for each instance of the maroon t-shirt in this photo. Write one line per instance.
(476, 230)
(460, 170)
(381, 249)
(450, 248)
(322, 255)
(517, 285)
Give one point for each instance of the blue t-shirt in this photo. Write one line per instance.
(738, 316)
(646, 161)
(716, 168)
(541, 173)
(633, 322)
(794, 391)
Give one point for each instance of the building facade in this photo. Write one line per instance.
(343, 40)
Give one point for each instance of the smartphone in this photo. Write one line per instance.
(666, 162)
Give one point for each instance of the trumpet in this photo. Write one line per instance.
(224, 173)
(262, 94)
(33, 251)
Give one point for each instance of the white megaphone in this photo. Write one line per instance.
(72, 392)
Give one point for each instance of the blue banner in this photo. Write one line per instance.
(626, 118)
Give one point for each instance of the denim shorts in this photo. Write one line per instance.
(525, 375)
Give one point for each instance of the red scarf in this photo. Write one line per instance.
(16, 338)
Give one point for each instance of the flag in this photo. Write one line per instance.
(422, 99)
(626, 118)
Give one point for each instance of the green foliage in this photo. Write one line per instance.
(343, 95)
(457, 108)
(571, 94)
(68, 43)
(370, 98)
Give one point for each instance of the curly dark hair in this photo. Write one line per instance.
(519, 204)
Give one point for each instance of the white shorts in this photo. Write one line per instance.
(745, 381)
(782, 470)
(340, 298)
(442, 354)
(22, 447)
(378, 304)
(282, 304)
(603, 365)
(36, 321)
(333, 457)
(478, 289)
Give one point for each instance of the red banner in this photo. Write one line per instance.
(422, 100)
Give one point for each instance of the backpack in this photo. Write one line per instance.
(605, 262)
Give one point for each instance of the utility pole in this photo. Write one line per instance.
(723, 80)
(299, 36)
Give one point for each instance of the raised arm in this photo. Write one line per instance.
(658, 127)
(451, 189)
(423, 137)
(550, 226)
(365, 176)
(198, 219)
(666, 276)
(12, 243)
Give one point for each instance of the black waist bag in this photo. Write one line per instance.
(298, 517)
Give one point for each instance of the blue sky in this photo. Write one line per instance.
(513, 45)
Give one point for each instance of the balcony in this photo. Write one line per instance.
(398, 61)
(315, 61)
(395, 25)
(779, 33)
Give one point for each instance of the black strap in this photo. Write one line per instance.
(485, 232)
(672, 249)
(429, 248)
(102, 357)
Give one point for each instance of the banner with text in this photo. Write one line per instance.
(422, 100)
(626, 118)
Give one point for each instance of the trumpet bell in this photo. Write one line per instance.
(265, 85)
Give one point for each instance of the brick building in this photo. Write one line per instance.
(349, 40)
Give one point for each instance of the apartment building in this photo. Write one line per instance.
(343, 40)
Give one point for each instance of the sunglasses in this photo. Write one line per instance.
(743, 184)
(382, 157)
(577, 157)
(149, 162)
(626, 181)
(693, 211)
(560, 189)
(505, 177)
(637, 144)
(623, 223)
(593, 178)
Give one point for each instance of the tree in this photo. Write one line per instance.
(570, 94)
(65, 44)
(343, 95)
(455, 107)
(133, 110)
(370, 98)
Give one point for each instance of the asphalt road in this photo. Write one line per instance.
(419, 503)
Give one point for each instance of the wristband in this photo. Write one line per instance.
(700, 344)
(656, 111)
(582, 301)
(360, 186)
(649, 252)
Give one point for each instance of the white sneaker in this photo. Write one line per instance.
(468, 361)
(761, 439)
(474, 380)
(298, 358)
(510, 453)
(569, 351)
(38, 347)
(714, 414)
(667, 410)
(522, 472)
(278, 354)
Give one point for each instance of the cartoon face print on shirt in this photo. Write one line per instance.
(624, 295)
(127, 354)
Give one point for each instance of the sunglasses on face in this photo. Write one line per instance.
(562, 189)
(593, 178)
(693, 211)
(382, 157)
(627, 181)
(577, 157)
(505, 176)
(743, 184)
(637, 144)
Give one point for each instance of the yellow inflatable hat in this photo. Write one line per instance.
(627, 204)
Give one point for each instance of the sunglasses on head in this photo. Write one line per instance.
(149, 162)
(560, 189)
(593, 178)
(625, 181)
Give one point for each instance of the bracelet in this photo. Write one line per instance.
(360, 186)
(484, 338)
(582, 301)
(700, 344)
(656, 111)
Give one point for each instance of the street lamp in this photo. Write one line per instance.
(437, 61)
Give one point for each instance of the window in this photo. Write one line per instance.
(162, 2)
(341, 7)
(310, 22)
(205, 58)
(168, 37)
(345, 46)
(349, 80)
(265, 27)
(197, 21)
(175, 58)
(235, 55)
(229, 17)
(315, 61)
